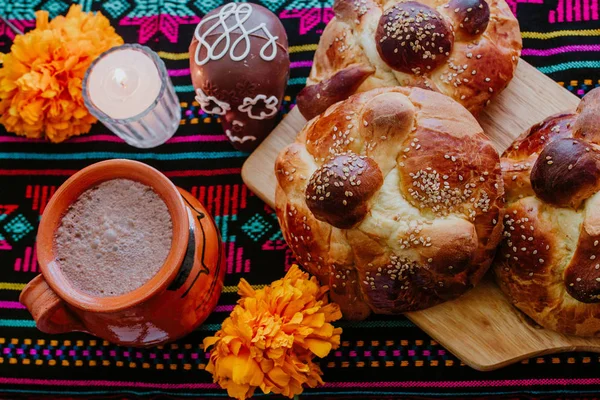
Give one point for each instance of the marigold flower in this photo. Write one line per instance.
(272, 335)
(40, 80)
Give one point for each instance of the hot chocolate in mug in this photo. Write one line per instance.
(168, 306)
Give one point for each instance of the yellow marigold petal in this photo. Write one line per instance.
(315, 320)
(209, 341)
(245, 371)
(80, 113)
(239, 392)
(210, 367)
(7, 86)
(48, 94)
(295, 273)
(71, 62)
(276, 354)
(224, 365)
(319, 347)
(236, 346)
(244, 289)
(279, 377)
(324, 331)
(31, 112)
(313, 378)
(41, 19)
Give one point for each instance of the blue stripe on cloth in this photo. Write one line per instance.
(568, 65)
(133, 156)
(23, 323)
(29, 323)
(184, 88)
(297, 81)
(17, 323)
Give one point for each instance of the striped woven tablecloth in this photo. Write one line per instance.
(379, 357)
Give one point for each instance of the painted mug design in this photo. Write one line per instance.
(168, 306)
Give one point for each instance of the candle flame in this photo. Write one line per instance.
(120, 77)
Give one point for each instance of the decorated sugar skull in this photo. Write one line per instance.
(239, 64)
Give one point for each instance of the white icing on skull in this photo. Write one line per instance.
(241, 13)
(269, 103)
(219, 108)
(236, 138)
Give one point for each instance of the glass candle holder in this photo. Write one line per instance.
(129, 90)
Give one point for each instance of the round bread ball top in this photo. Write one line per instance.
(338, 191)
(413, 38)
(566, 173)
(471, 16)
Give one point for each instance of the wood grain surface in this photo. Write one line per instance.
(481, 328)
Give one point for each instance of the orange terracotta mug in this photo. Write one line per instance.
(168, 306)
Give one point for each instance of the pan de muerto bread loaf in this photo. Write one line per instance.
(549, 262)
(465, 49)
(393, 198)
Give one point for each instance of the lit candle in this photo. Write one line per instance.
(129, 90)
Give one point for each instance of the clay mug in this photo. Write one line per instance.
(168, 306)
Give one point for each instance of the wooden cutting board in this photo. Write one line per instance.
(481, 327)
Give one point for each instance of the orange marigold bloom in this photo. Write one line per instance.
(40, 81)
(272, 335)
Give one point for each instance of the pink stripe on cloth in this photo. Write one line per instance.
(329, 385)
(464, 384)
(116, 139)
(100, 383)
(68, 172)
(301, 64)
(186, 71)
(198, 138)
(179, 72)
(79, 139)
(11, 304)
(224, 308)
(560, 50)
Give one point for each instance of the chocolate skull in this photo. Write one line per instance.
(240, 65)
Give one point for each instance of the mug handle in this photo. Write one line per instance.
(49, 311)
